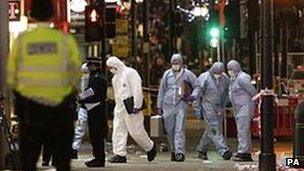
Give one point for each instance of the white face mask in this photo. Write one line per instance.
(176, 67)
(231, 73)
(216, 76)
(113, 70)
(85, 70)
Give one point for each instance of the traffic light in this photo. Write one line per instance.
(110, 20)
(214, 34)
(93, 17)
(93, 23)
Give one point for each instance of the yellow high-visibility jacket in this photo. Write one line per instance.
(44, 65)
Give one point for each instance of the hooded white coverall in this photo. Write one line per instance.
(126, 83)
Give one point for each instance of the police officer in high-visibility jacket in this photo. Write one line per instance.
(43, 74)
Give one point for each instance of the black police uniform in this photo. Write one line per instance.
(97, 117)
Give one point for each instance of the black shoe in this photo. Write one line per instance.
(95, 163)
(118, 159)
(53, 163)
(202, 155)
(152, 153)
(179, 157)
(243, 157)
(74, 154)
(227, 155)
(173, 156)
(45, 163)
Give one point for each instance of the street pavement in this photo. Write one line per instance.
(137, 159)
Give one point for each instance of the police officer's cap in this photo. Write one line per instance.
(42, 10)
(93, 60)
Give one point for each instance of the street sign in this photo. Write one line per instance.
(121, 46)
(14, 10)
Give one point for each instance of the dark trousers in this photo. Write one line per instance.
(97, 121)
(39, 124)
(47, 153)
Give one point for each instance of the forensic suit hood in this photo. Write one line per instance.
(217, 68)
(234, 66)
(116, 63)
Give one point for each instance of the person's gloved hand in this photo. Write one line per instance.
(197, 114)
(136, 110)
(188, 98)
(159, 111)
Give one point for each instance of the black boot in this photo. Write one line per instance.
(179, 157)
(95, 163)
(74, 154)
(202, 155)
(243, 157)
(45, 163)
(173, 156)
(118, 159)
(227, 155)
(152, 153)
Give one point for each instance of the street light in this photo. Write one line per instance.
(214, 32)
(214, 42)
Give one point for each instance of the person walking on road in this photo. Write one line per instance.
(175, 82)
(211, 92)
(241, 92)
(93, 99)
(127, 84)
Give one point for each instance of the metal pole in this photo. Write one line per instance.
(133, 32)
(218, 52)
(4, 49)
(171, 28)
(252, 27)
(222, 45)
(267, 158)
(276, 48)
(274, 38)
(103, 36)
(146, 48)
(284, 52)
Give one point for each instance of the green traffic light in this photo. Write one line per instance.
(214, 42)
(214, 32)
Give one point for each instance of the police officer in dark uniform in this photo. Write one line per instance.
(94, 100)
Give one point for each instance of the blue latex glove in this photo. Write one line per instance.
(198, 113)
(159, 111)
(136, 110)
(188, 98)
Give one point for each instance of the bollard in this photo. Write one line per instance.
(298, 145)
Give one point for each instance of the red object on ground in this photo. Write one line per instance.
(283, 120)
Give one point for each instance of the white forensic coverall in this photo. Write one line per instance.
(126, 83)
(82, 121)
